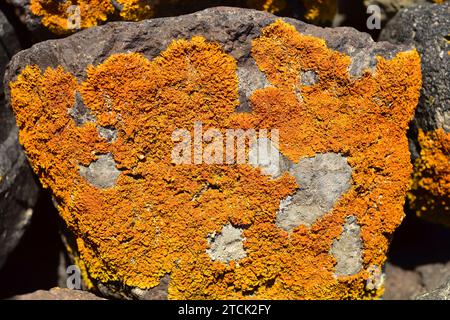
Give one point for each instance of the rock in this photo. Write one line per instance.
(422, 280)
(18, 192)
(390, 7)
(190, 217)
(441, 293)
(427, 27)
(57, 294)
(52, 18)
(402, 284)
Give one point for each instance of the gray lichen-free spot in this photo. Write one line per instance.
(108, 133)
(250, 79)
(265, 155)
(227, 245)
(323, 179)
(309, 78)
(347, 250)
(79, 112)
(101, 173)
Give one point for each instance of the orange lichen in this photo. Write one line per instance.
(63, 17)
(272, 6)
(430, 192)
(157, 218)
(135, 10)
(320, 11)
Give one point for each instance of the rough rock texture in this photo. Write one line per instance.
(57, 294)
(49, 18)
(441, 293)
(390, 7)
(18, 191)
(402, 284)
(153, 227)
(428, 28)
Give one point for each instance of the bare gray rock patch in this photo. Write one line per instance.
(108, 133)
(79, 112)
(347, 250)
(323, 179)
(309, 78)
(227, 245)
(265, 155)
(102, 173)
(250, 79)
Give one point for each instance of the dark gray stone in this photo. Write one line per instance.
(390, 7)
(18, 191)
(427, 27)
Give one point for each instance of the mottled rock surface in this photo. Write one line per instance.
(340, 102)
(441, 293)
(390, 7)
(427, 27)
(57, 294)
(18, 191)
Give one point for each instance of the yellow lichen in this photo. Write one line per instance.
(430, 192)
(320, 11)
(272, 6)
(135, 10)
(157, 218)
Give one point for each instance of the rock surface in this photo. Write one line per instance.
(427, 27)
(18, 191)
(390, 7)
(151, 226)
(57, 294)
(441, 293)
(420, 281)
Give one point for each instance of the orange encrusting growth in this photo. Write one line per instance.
(69, 16)
(430, 192)
(320, 11)
(157, 218)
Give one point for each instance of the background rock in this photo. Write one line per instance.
(18, 191)
(427, 27)
(58, 294)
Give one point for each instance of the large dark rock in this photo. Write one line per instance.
(18, 191)
(427, 27)
(233, 29)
